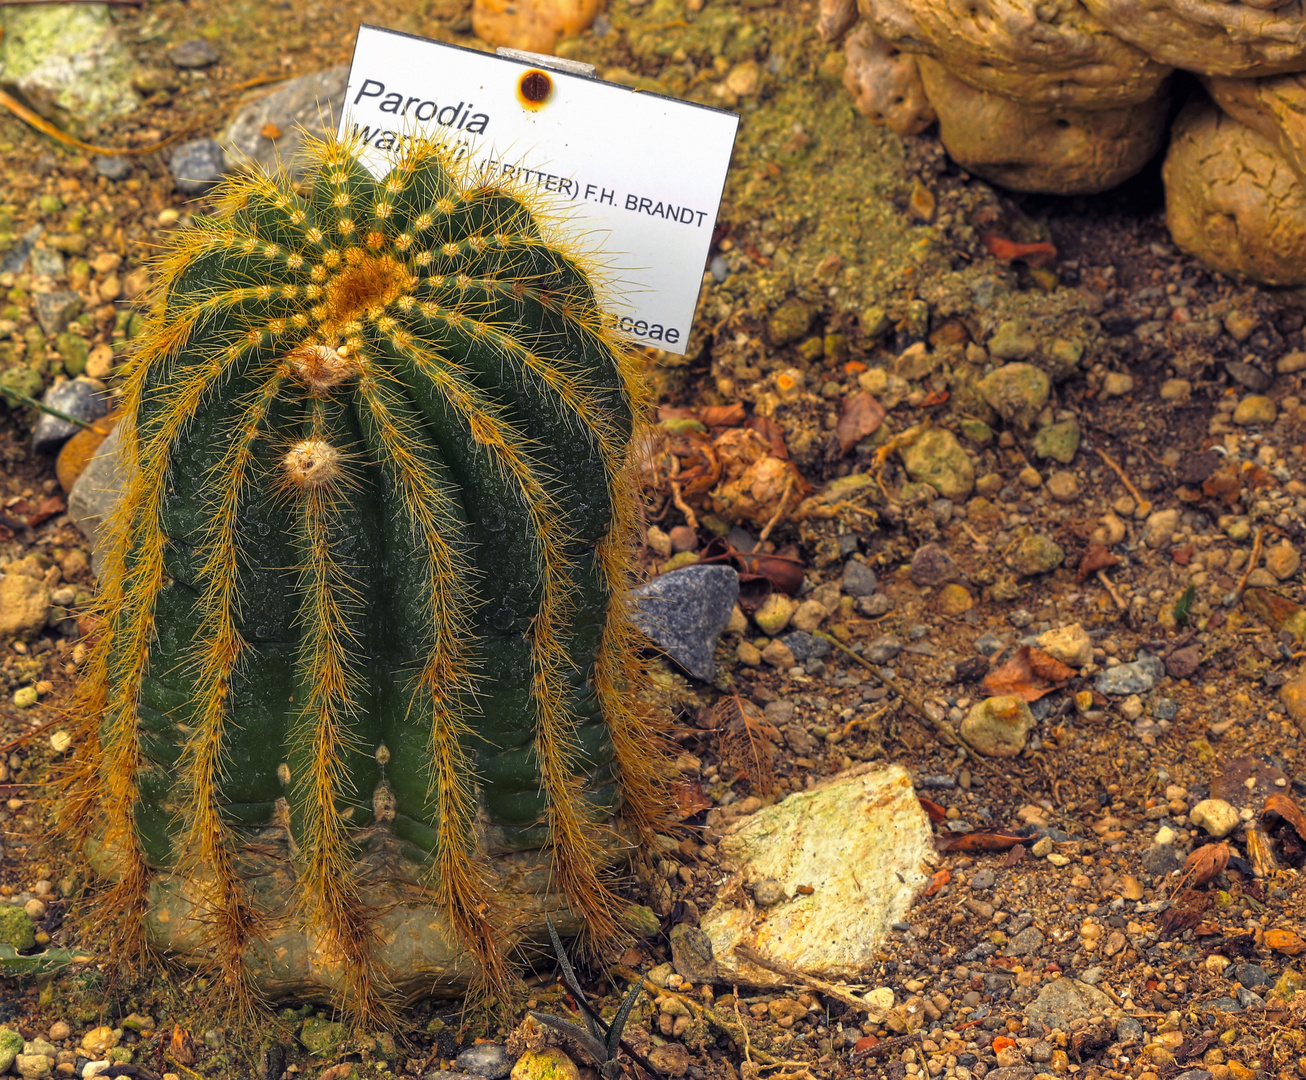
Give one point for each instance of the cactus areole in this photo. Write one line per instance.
(365, 709)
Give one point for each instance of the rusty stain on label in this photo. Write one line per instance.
(534, 89)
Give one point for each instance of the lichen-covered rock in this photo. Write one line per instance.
(16, 929)
(885, 84)
(998, 726)
(1020, 49)
(1029, 148)
(1212, 37)
(936, 458)
(532, 25)
(1037, 555)
(1233, 200)
(1276, 108)
(1017, 391)
(68, 62)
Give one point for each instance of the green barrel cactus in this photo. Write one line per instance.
(365, 708)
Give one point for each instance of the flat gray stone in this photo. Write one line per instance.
(1066, 1000)
(95, 495)
(193, 54)
(307, 106)
(197, 165)
(79, 398)
(806, 646)
(858, 579)
(55, 310)
(1136, 678)
(112, 167)
(684, 612)
(13, 260)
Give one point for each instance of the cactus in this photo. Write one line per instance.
(366, 592)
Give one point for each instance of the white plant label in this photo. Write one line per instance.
(637, 177)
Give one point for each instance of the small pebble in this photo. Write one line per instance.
(193, 54)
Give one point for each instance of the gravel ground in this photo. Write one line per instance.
(1137, 517)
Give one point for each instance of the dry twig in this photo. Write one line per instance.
(1106, 584)
(1144, 504)
(1257, 544)
(794, 975)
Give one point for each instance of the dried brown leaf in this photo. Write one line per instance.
(1205, 864)
(748, 743)
(983, 840)
(1280, 807)
(1028, 675)
(1094, 559)
(860, 416)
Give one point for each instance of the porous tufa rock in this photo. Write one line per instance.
(532, 25)
(885, 84)
(1275, 108)
(1233, 200)
(1012, 48)
(1031, 148)
(835, 18)
(1212, 37)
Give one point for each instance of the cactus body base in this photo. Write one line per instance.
(416, 953)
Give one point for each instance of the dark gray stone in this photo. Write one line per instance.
(79, 398)
(55, 310)
(1250, 975)
(1027, 943)
(931, 565)
(1128, 1030)
(691, 954)
(193, 54)
(307, 106)
(489, 1060)
(883, 649)
(1160, 859)
(113, 167)
(684, 613)
(1165, 709)
(13, 260)
(804, 645)
(1194, 1074)
(1249, 376)
(982, 879)
(858, 579)
(197, 165)
(449, 1074)
(988, 644)
(1225, 1004)
(1136, 678)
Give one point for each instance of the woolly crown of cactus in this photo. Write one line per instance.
(368, 578)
